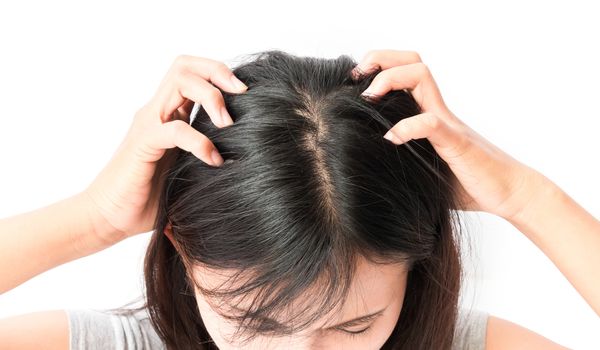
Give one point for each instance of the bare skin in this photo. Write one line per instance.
(122, 199)
(374, 288)
(492, 181)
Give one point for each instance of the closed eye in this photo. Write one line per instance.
(353, 333)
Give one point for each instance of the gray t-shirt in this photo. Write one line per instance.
(95, 329)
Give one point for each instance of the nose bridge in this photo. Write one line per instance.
(296, 342)
(300, 344)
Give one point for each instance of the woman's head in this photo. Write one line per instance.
(314, 219)
(375, 296)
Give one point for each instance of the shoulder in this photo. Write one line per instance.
(107, 329)
(503, 334)
(478, 330)
(34, 330)
(471, 329)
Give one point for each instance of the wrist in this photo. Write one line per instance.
(538, 192)
(101, 233)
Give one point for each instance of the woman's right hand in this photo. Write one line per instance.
(124, 196)
(489, 179)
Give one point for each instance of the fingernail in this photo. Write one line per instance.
(225, 117)
(368, 92)
(392, 137)
(238, 83)
(216, 157)
(371, 97)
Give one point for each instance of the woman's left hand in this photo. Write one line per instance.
(488, 179)
(124, 196)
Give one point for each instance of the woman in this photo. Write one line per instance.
(472, 174)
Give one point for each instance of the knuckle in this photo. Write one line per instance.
(415, 56)
(180, 64)
(180, 60)
(422, 69)
(146, 112)
(177, 128)
(432, 121)
(222, 67)
(371, 56)
(139, 114)
(380, 79)
(405, 126)
(212, 93)
(179, 76)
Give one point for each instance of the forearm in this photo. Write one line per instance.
(567, 234)
(39, 240)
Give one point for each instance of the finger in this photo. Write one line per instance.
(178, 133)
(169, 96)
(427, 125)
(187, 86)
(415, 77)
(213, 71)
(384, 59)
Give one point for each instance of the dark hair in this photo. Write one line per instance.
(309, 185)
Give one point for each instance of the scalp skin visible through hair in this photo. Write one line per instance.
(308, 189)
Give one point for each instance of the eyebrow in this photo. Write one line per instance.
(353, 322)
(359, 320)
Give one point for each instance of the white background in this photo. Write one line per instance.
(523, 74)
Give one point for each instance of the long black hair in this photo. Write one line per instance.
(309, 185)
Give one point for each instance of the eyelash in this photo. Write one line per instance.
(356, 334)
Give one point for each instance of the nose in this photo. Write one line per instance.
(295, 343)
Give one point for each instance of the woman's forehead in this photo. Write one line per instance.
(373, 286)
(367, 273)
